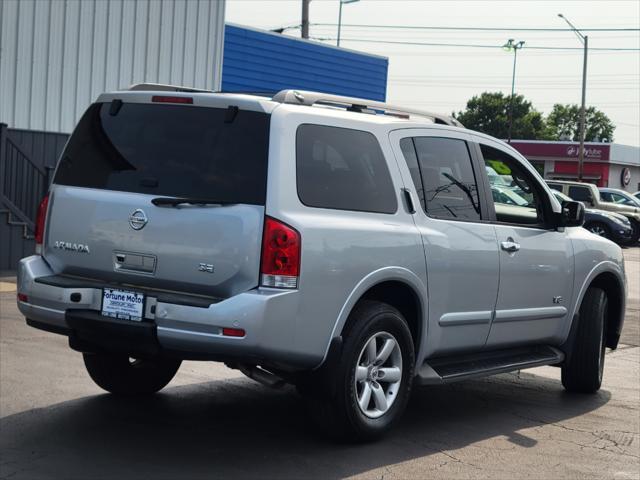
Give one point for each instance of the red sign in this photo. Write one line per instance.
(561, 150)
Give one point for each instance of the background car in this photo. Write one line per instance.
(609, 225)
(589, 195)
(614, 195)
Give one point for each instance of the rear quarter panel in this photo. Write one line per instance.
(343, 252)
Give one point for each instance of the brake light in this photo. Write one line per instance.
(171, 99)
(41, 219)
(281, 245)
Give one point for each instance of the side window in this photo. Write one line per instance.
(581, 194)
(617, 198)
(450, 187)
(555, 186)
(342, 169)
(409, 152)
(606, 197)
(519, 198)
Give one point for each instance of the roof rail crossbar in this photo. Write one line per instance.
(161, 87)
(300, 97)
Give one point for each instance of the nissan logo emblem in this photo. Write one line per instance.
(625, 176)
(138, 219)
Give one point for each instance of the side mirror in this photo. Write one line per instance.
(572, 214)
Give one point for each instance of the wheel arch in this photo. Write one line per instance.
(396, 286)
(608, 277)
(614, 290)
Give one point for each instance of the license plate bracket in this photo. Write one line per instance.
(123, 304)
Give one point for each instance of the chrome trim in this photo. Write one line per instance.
(455, 319)
(525, 314)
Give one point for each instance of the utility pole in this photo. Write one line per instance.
(305, 18)
(585, 42)
(515, 46)
(342, 2)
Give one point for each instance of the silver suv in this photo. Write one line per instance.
(348, 247)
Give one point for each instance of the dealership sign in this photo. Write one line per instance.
(589, 152)
(561, 150)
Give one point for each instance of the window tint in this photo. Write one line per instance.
(409, 152)
(581, 194)
(342, 169)
(606, 197)
(171, 150)
(450, 188)
(517, 199)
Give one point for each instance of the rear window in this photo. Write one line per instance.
(343, 169)
(170, 150)
(581, 194)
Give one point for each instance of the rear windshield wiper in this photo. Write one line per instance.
(174, 201)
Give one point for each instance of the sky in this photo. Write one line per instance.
(442, 78)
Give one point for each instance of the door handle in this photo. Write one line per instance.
(510, 245)
(409, 200)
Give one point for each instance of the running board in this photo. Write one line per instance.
(483, 364)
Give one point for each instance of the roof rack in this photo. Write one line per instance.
(161, 87)
(300, 97)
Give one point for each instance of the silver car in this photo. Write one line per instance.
(349, 247)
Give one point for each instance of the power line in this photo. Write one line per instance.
(479, 29)
(473, 45)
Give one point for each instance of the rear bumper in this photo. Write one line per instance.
(268, 317)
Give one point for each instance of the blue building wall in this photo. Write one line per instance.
(258, 61)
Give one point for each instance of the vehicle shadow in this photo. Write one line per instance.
(236, 428)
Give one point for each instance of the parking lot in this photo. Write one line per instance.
(212, 422)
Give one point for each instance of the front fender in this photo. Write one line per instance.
(606, 266)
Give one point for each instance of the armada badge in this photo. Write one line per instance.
(71, 247)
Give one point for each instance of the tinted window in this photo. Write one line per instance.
(450, 188)
(555, 186)
(342, 169)
(170, 150)
(581, 194)
(518, 199)
(606, 197)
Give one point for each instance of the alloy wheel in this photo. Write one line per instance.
(378, 374)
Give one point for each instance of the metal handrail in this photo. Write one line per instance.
(23, 182)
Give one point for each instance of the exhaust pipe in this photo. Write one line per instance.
(260, 375)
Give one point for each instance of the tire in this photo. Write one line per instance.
(583, 372)
(635, 236)
(599, 228)
(333, 397)
(120, 375)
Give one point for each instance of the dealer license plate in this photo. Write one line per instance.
(122, 304)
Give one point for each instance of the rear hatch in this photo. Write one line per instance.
(103, 223)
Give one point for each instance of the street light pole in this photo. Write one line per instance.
(515, 46)
(342, 2)
(585, 42)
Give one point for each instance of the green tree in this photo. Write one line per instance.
(489, 113)
(563, 123)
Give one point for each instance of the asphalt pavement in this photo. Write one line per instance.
(212, 422)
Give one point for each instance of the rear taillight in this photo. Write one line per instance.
(41, 218)
(281, 244)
